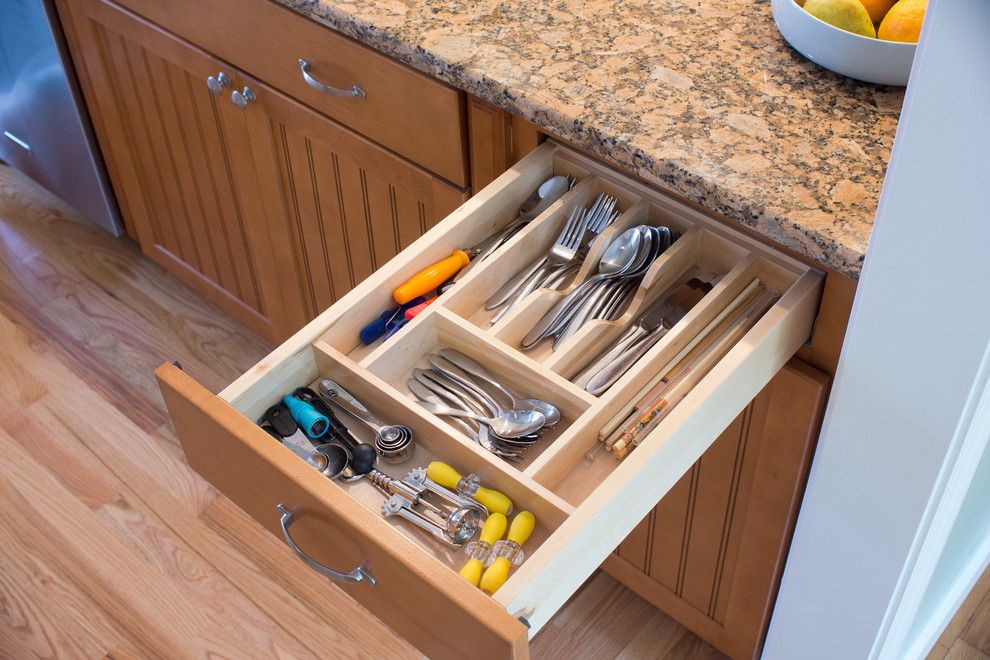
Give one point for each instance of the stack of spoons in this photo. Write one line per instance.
(606, 294)
(498, 419)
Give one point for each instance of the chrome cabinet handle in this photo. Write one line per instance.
(359, 574)
(217, 84)
(354, 91)
(243, 98)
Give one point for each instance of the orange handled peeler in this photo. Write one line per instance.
(431, 277)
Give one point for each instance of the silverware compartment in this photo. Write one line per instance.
(483, 215)
(529, 245)
(697, 248)
(443, 329)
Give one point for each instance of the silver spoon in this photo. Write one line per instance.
(482, 436)
(606, 287)
(452, 393)
(511, 424)
(621, 253)
(549, 411)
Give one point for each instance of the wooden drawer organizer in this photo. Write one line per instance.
(584, 506)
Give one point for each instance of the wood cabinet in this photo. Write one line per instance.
(338, 205)
(172, 148)
(275, 210)
(712, 552)
(271, 210)
(410, 113)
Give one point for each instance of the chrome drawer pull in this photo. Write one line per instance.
(359, 574)
(243, 99)
(354, 91)
(217, 84)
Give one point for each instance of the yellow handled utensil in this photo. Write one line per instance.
(480, 551)
(431, 277)
(508, 553)
(469, 486)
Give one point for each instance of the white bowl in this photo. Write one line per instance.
(853, 55)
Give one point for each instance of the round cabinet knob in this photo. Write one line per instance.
(217, 83)
(243, 98)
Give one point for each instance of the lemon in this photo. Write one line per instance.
(848, 15)
(903, 21)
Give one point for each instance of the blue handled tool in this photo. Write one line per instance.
(307, 417)
(386, 324)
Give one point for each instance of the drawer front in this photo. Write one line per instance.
(408, 112)
(444, 618)
(585, 501)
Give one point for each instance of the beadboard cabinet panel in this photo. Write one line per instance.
(173, 144)
(269, 208)
(340, 206)
(712, 551)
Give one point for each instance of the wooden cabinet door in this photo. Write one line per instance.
(712, 551)
(176, 153)
(339, 206)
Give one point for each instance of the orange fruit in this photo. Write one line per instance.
(877, 8)
(903, 21)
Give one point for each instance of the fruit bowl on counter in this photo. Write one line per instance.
(854, 55)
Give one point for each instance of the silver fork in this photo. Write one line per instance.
(563, 251)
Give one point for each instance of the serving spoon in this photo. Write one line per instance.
(549, 411)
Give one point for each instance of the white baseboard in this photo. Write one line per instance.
(955, 595)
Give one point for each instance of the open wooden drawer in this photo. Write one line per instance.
(584, 500)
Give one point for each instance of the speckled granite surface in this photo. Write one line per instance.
(702, 97)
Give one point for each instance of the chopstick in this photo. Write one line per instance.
(692, 374)
(624, 412)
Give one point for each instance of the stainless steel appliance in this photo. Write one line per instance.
(44, 129)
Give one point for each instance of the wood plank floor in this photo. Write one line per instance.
(110, 546)
(967, 637)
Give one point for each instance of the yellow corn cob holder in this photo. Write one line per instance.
(469, 486)
(480, 551)
(507, 553)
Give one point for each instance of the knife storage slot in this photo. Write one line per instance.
(577, 463)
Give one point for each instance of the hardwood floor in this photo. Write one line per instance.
(967, 637)
(111, 545)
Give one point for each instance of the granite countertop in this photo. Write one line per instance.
(703, 98)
